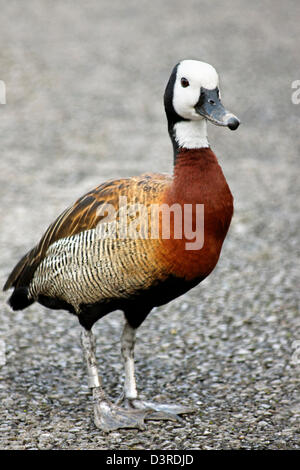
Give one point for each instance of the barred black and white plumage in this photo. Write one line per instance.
(74, 265)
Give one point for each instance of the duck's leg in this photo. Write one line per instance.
(107, 415)
(130, 395)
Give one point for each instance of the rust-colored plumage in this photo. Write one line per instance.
(198, 179)
(170, 268)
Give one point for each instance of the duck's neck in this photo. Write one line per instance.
(188, 135)
(198, 178)
(197, 175)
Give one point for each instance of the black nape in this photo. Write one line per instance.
(172, 116)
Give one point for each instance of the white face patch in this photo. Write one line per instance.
(199, 74)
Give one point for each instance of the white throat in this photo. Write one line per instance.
(191, 134)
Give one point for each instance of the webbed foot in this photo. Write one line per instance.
(110, 417)
(158, 411)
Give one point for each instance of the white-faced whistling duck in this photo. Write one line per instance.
(81, 267)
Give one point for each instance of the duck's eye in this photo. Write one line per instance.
(184, 82)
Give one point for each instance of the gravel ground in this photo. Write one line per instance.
(84, 103)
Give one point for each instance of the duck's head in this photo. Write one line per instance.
(192, 96)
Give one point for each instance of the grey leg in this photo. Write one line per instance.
(156, 411)
(88, 345)
(108, 416)
(127, 350)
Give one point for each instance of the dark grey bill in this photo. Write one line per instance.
(210, 107)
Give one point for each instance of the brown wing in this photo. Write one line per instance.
(81, 216)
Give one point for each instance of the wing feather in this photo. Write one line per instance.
(83, 215)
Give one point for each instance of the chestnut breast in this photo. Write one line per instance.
(198, 179)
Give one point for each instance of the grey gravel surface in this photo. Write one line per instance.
(84, 103)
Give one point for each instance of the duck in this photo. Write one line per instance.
(136, 243)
